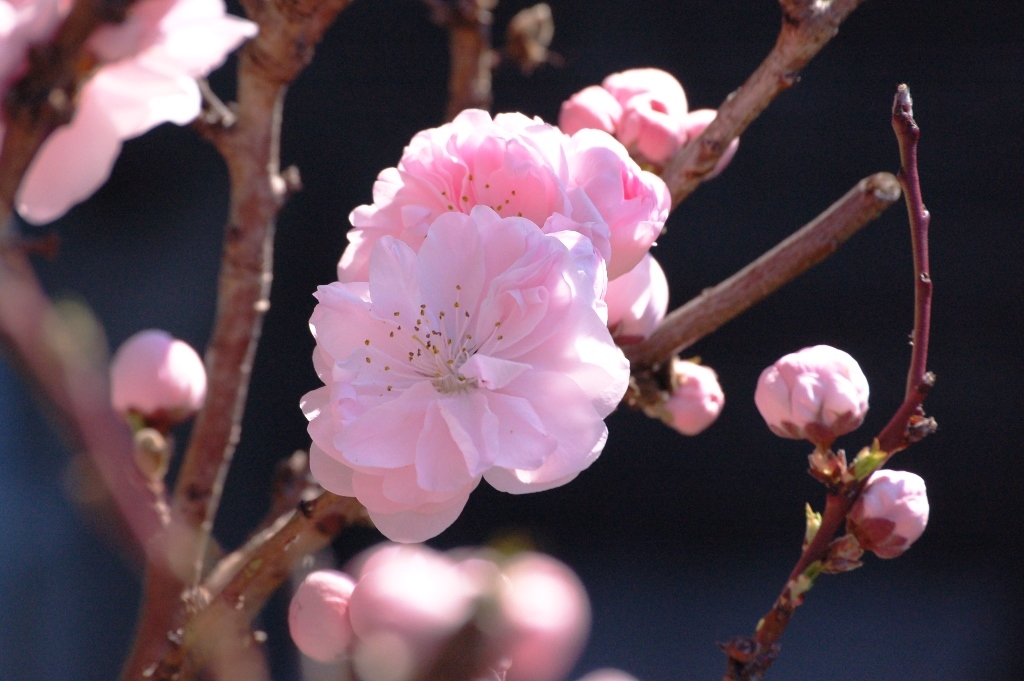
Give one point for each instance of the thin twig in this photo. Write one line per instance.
(799, 252)
(241, 584)
(469, 47)
(807, 25)
(749, 658)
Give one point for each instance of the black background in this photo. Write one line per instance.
(681, 542)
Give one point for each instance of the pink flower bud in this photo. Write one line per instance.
(158, 377)
(608, 675)
(318, 616)
(817, 394)
(548, 616)
(648, 127)
(694, 124)
(697, 399)
(412, 593)
(591, 107)
(637, 302)
(890, 514)
(660, 85)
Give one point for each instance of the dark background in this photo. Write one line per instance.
(681, 542)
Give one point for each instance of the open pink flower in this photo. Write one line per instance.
(519, 167)
(485, 354)
(148, 67)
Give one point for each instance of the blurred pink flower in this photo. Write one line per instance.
(817, 394)
(483, 355)
(890, 514)
(592, 107)
(157, 377)
(697, 398)
(548, 616)
(660, 86)
(519, 167)
(148, 67)
(637, 302)
(608, 674)
(318, 618)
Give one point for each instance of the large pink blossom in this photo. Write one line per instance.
(148, 67)
(520, 167)
(484, 354)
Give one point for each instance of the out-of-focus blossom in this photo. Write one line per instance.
(637, 302)
(414, 596)
(696, 400)
(485, 354)
(649, 128)
(817, 394)
(318, 617)
(655, 84)
(890, 514)
(146, 76)
(695, 123)
(157, 377)
(519, 167)
(608, 675)
(548, 615)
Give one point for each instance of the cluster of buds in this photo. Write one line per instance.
(646, 110)
(405, 605)
(818, 394)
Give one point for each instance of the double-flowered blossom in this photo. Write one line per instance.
(890, 514)
(816, 394)
(147, 66)
(646, 110)
(482, 353)
(519, 167)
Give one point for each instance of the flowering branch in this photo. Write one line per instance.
(240, 585)
(749, 658)
(807, 25)
(44, 99)
(469, 47)
(800, 251)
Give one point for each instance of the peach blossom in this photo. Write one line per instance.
(697, 398)
(318, 615)
(637, 302)
(157, 376)
(890, 514)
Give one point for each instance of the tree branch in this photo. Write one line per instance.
(799, 252)
(807, 25)
(749, 658)
(469, 47)
(240, 585)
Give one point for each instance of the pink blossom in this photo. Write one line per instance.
(318, 616)
(817, 394)
(416, 595)
(695, 123)
(608, 675)
(637, 302)
(656, 84)
(697, 398)
(485, 354)
(148, 67)
(592, 107)
(548, 616)
(518, 167)
(648, 128)
(157, 377)
(890, 514)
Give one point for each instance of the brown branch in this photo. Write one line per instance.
(749, 658)
(469, 47)
(807, 25)
(240, 585)
(800, 251)
(289, 31)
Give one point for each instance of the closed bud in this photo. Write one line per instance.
(816, 394)
(648, 127)
(637, 302)
(696, 400)
(318, 616)
(890, 514)
(157, 378)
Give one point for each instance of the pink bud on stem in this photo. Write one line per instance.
(816, 394)
(318, 616)
(637, 302)
(890, 514)
(157, 378)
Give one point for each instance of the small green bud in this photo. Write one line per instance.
(813, 524)
(868, 461)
